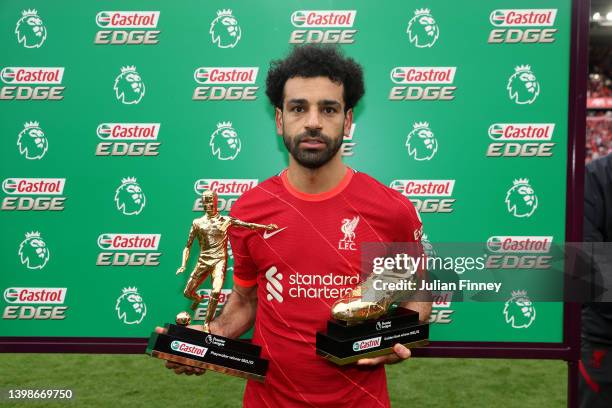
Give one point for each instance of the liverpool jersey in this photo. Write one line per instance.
(300, 270)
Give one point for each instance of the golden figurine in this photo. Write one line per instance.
(211, 230)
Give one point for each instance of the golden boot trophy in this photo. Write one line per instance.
(365, 325)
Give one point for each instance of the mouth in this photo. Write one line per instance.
(312, 143)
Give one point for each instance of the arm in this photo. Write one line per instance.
(187, 250)
(238, 315)
(252, 225)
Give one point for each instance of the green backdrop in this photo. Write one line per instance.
(456, 61)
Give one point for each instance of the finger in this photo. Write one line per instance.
(402, 351)
(161, 330)
(171, 365)
(199, 327)
(388, 359)
(189, 372)
(179, 370)
(199, 371)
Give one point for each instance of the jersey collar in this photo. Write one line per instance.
(319, 196)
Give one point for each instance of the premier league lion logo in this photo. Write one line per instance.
(423, 30)
(224, 142)
(129, 88)
(32, 141)
(33, 251)
(421, 142)
(130, 307)
(521, 199)
(225, 30)
(129, 197)
(519, 310)
(31, 31)
(523, 86)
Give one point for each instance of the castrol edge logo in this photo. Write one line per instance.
(522, 26)
(35, 83)
(422, 83)
(119, 249)
(128, 139)
(127, 27)
(225, 83)
(33, 194)
(323, 26)
(521, 140)
(428, 196)
(35, 303)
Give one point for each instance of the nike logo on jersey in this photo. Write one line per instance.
(269, 234)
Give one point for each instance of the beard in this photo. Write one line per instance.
(312, 158)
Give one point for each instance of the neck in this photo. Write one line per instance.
(316, 181)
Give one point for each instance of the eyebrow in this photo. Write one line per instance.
(324, 102)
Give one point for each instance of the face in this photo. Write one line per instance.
(210, 204)
(312, 121)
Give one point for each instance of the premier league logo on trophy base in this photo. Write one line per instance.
(201, 348)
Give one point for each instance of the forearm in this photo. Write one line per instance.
(250, 225)
(238, 314)
(185, 256)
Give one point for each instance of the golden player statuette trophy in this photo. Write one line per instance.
(204, 349)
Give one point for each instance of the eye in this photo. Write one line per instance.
(329, 110)
(297, 109)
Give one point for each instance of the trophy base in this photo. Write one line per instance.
(208, 351)
(344, 344)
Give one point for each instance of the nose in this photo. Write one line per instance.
(313, 120)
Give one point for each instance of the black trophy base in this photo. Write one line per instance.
(344, 344)
(211, 352)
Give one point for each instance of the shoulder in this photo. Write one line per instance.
(383, 193)
(600, 168)
(257, 196)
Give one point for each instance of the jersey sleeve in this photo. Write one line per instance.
(245, 271)
(409, 227)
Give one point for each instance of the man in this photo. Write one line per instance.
(287, 280)
(596, 359)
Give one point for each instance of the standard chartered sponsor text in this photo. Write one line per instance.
(314, 286)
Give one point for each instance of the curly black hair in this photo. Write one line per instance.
(312, 61)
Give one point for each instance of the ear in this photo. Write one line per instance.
(348, 122)
(278, 118)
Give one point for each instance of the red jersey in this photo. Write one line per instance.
(301, 269)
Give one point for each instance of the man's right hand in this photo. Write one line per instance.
(181, 368)
(180, 270)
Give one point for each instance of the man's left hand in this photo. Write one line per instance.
(400, 353)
